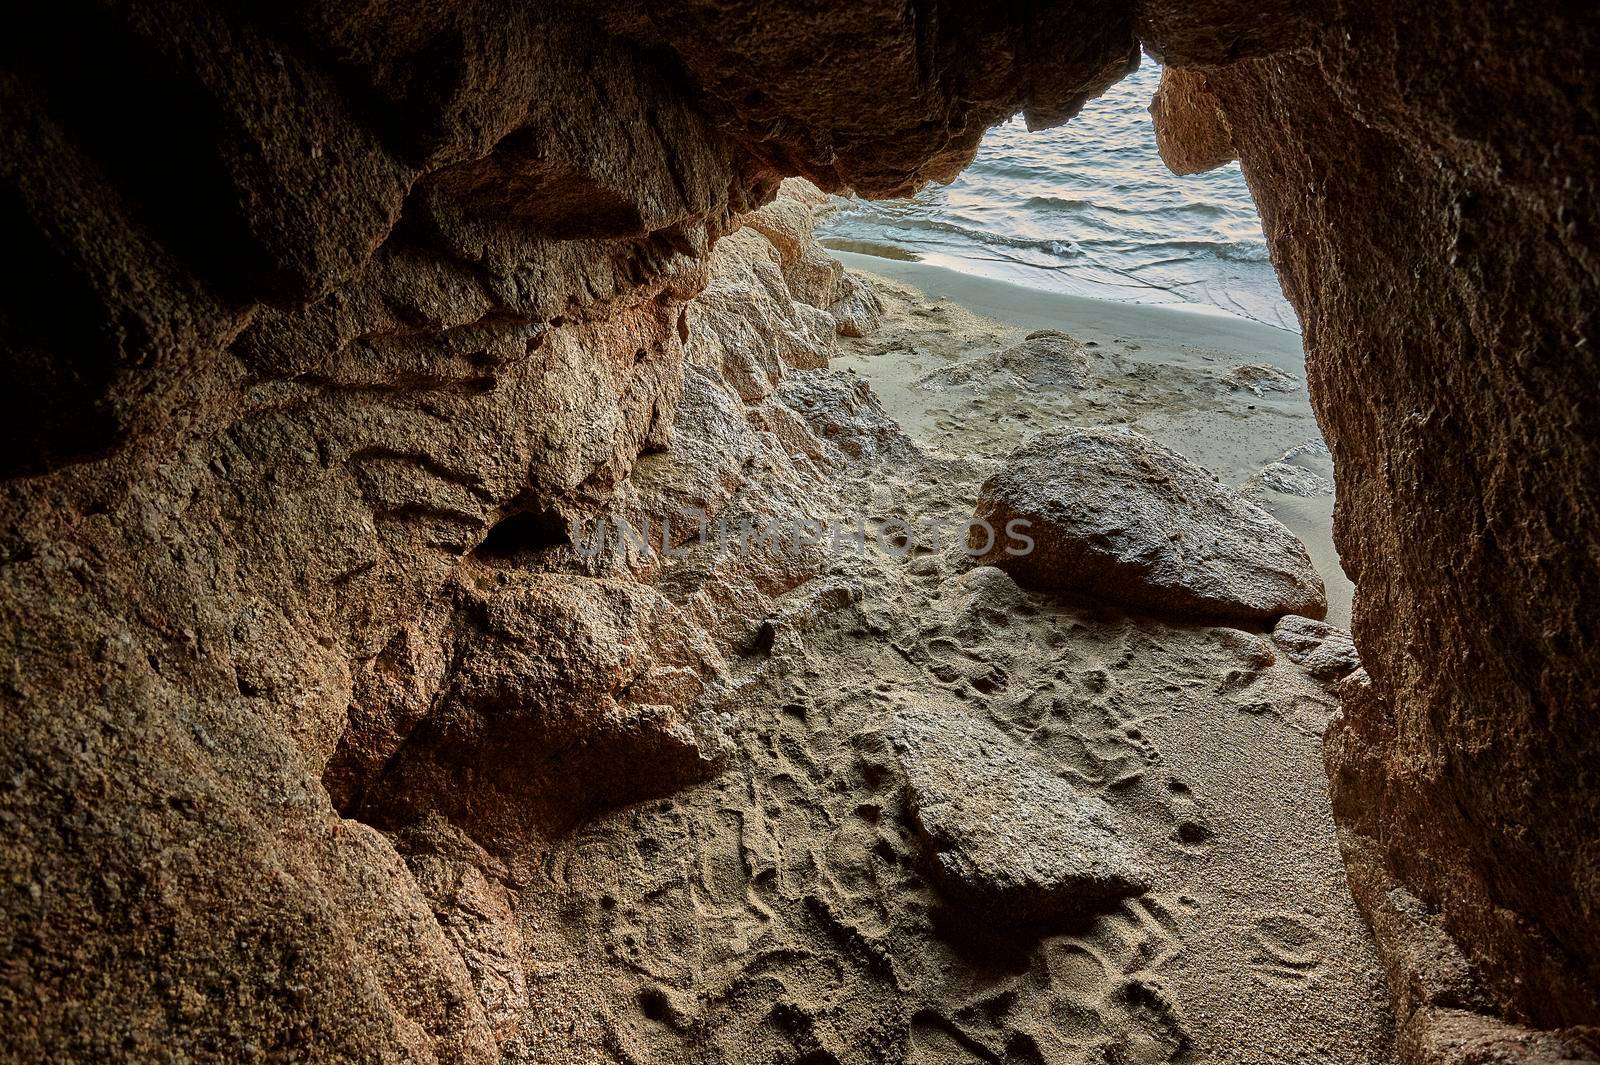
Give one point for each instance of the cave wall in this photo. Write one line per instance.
(1427, 182)
(326, 325)
(325, 322)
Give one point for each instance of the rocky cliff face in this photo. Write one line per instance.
(328, 326)
(1442, 252)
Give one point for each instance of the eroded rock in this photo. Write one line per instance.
(1324, 651)
(814, 277)
(1046, 358)
(849, 418)
(1259, 379)
(1116, 515)
(1002, 833)
(1405, 223)
(287, 358)
(793, 79)
(1191, 132)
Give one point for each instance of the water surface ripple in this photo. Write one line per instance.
(1089, 209)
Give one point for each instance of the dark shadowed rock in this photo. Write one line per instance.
(1186, 34)
(795, 78)
(1001, 831)
(1115, 514)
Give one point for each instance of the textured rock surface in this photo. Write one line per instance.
(882, 97)
(1221, 32)
(1259, 380)
(1443, 256)
(1191, 132)
(1305, 470)
(1003, 835)
(325, 326)
(812, 275)
(319, 640)
(1115, 514)
(1045, 357)
(1324, 651)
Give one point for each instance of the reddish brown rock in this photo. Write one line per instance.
(1442, 254)
(324, 325)
(886, 96)
(334, 587)
(1191, 131)
(1218, 33)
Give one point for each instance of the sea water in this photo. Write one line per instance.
(1088, 209)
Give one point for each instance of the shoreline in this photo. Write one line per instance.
(1009, 301)
(1170, 383)
(1040, 278)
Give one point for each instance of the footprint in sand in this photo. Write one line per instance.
(1090, 997)
(1289, 950)
(1079, 722)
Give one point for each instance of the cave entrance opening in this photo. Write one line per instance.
(1174, 321)
(988, 729)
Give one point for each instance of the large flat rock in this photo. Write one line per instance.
(1115, 514)
(1002, 833)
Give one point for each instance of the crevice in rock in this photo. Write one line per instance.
(522, 537)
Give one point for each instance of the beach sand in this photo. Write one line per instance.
(1161, 371)
(797, 907)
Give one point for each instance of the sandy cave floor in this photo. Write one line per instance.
(777, 913)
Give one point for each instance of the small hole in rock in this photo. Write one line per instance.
(517, 536)
(1193, 832)
(817, 1057)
